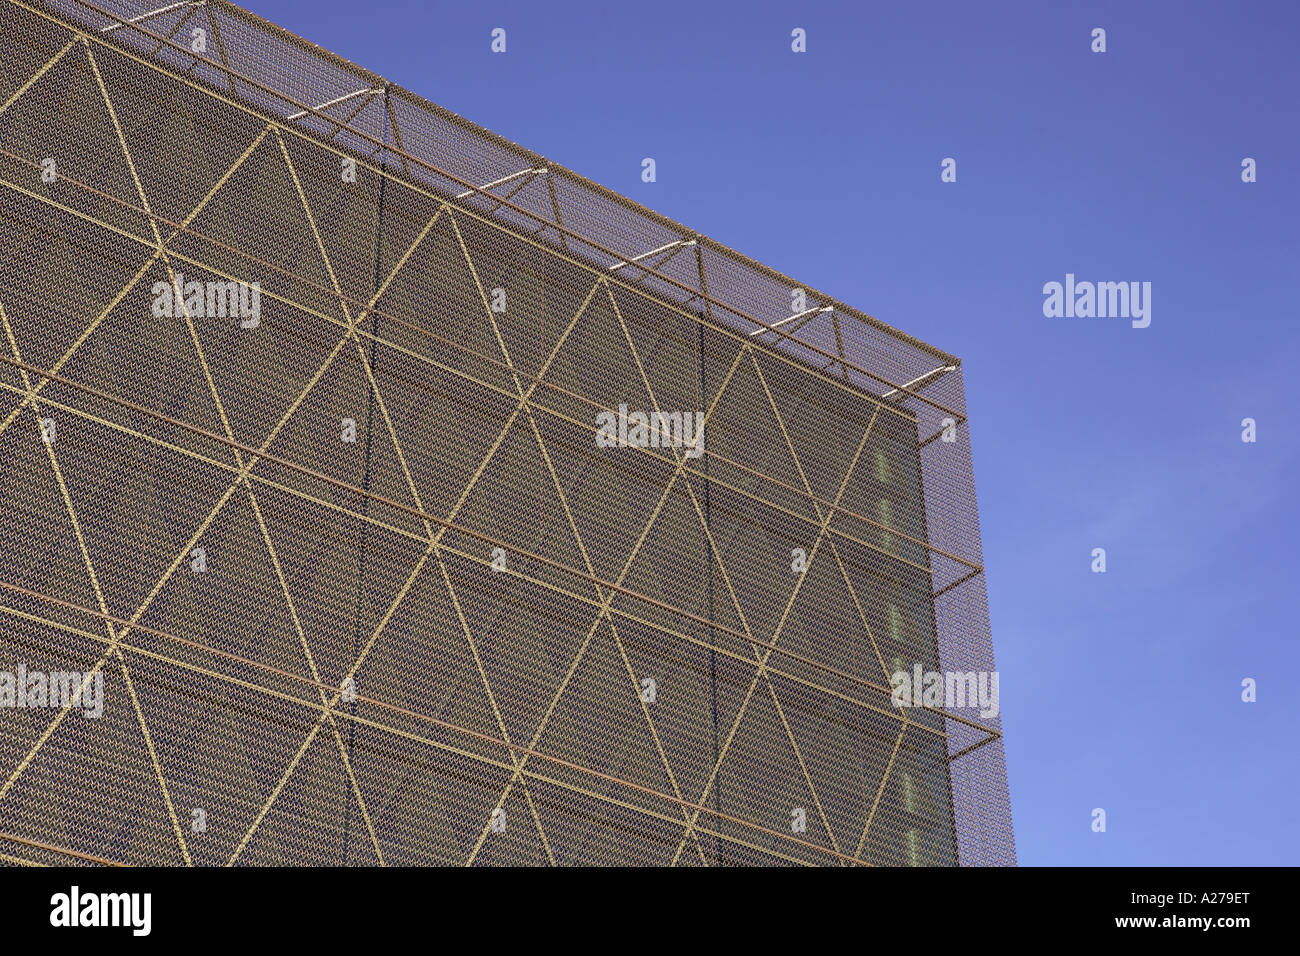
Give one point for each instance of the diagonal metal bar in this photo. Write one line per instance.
(148, 264)
(735, 601)
(812, 554)
(492, 701)
(884, 778)
(844, 572)
(582, 549)
(605, 604)
(49, 64)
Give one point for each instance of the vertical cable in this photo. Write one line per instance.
(370, 420)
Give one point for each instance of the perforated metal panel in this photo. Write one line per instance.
(302, 392)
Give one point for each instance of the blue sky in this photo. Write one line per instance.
(1119, 690)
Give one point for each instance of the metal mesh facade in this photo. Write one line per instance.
(337, 531)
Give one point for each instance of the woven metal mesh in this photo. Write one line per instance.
(468, 632)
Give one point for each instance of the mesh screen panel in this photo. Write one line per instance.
(410, 499)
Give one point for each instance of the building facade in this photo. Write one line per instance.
(377, 492)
